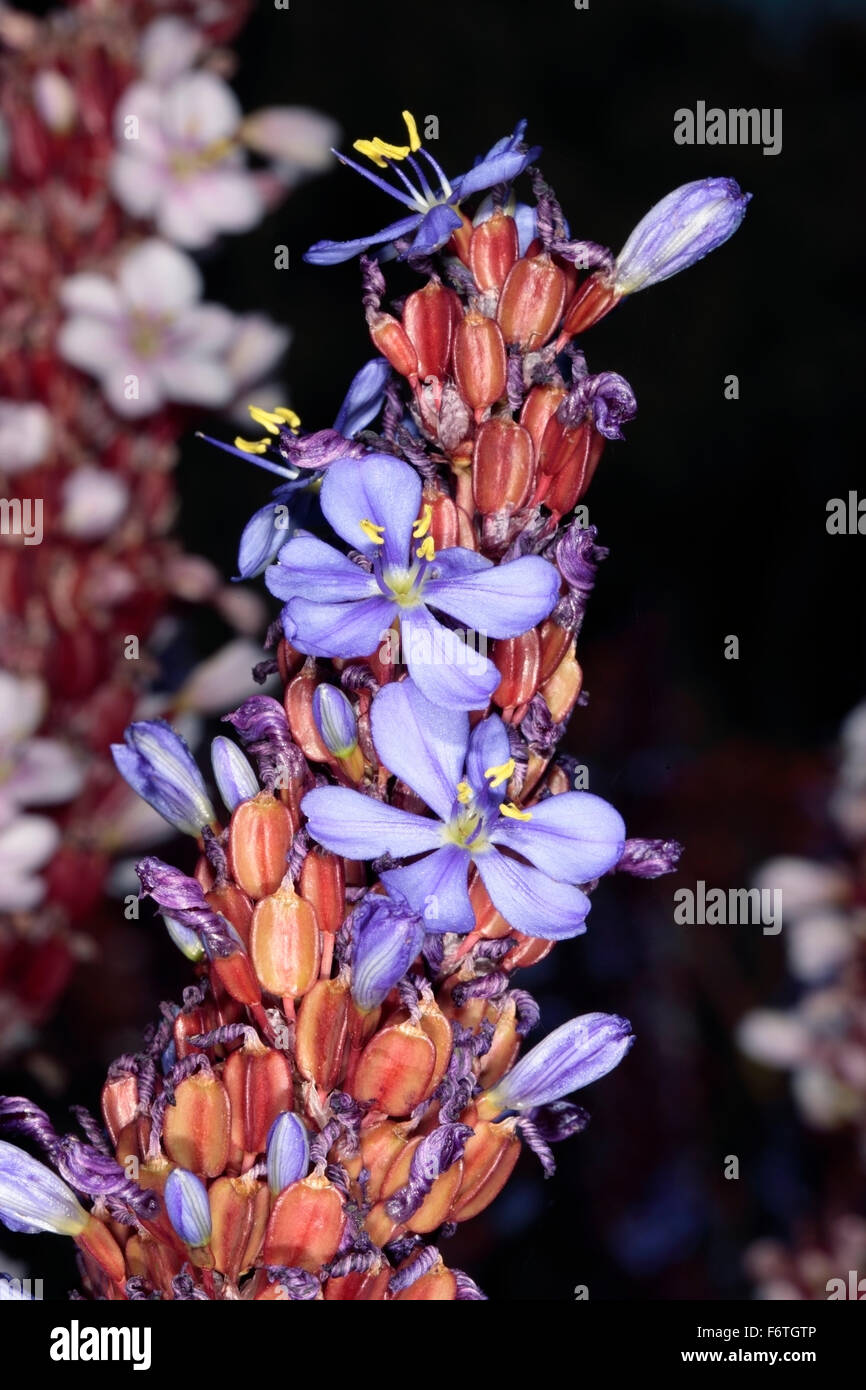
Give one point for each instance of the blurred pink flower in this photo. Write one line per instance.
(145, 335)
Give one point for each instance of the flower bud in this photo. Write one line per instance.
(530, 305)
(234, 776)
(33, 1198)
(680, 230)
(260, 836)
(493, 250)
(288, 1152)
(157, 764)
(569, 1058)
(285, 945)
(188, 1208)
(502, 465)
(338, 727)
(388, 937)
(479, 362)
(430, 316)
(187, 941)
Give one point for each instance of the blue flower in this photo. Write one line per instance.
(373, 504)
(232, 771)
(529, 861)
(680, 230)
(157, 764)
(569, 1058)
(32, 1198)
(433, 215)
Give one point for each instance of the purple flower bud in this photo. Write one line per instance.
(568, 1059)
(188, 1207)
(32, 1198)
(364, 398)
(649, 858)
(678, 231)
(388, 937)
(335, 720)
(287, 1151)
(234, 775)
(157, 764)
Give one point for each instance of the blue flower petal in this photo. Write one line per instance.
(363, 400)
(495, 168)
(456, 561)
(377, 488)
(531, 901)
(359, 827)
(574, 837)
(264, 533)
(447, 670)
(309, 566)
(503, 601)
(436, 886)
(337, 629)
(335, 252)
(436, 228)
(422, 744)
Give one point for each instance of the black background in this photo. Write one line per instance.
(714, 511)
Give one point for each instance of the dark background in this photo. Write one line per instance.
(715, 514)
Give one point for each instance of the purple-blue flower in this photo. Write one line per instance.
(32, 1198)
(158, 765)
(186, 1202)
(373, 504)
(680, 230)
(433, 215)
(568, 1059)
(387, 937)
(529, 861)
(287, 1151)
(272, 525)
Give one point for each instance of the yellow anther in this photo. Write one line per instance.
(273, 419)
(426, 550)
(513, 812)
(373, 532)
(379, 151)
(422, 525)
(252, 446)
(464, 793)
(501, 773)
(414, 139)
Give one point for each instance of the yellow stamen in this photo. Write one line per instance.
(379, 151)
(464, 793)
(501, 773)
(373, 532)
(426, 550)
(422, 525)
(273, 419)
(252, 446)
(414, 138)
(513, 812)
